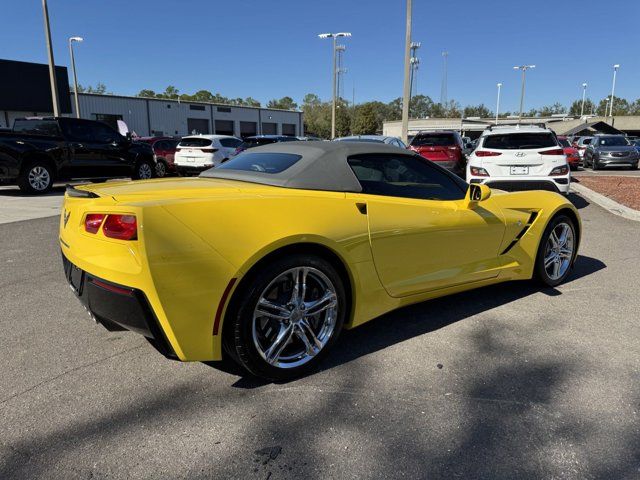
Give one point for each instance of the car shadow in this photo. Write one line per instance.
(578, 201)
(422, 318)
(56, 191)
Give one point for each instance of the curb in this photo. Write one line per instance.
(606, 203)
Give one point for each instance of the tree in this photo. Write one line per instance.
(147, 93)
(634, 108)
(285, 103)
(365, 121)
(252, 102)
(620, 107)
(477, 111)
(452, 109)
(548, 110)
(576, 107)
(420, 106)
(170, 92)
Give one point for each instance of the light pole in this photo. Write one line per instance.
(613, 89)
(52, 65)
(334, 36)
(406, 87)
(524, 69)
(414, 61)
(75, 77)
(499, 85)
(443, 88)
(584, 95)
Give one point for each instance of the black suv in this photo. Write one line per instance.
(40, 150)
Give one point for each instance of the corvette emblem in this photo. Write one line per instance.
(65, 218)
(520, 154)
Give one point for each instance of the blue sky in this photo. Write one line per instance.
(268, 49)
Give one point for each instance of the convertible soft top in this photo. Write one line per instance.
(323, 165)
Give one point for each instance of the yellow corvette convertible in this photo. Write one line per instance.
(264, 259)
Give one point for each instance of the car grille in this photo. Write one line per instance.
(619, 154)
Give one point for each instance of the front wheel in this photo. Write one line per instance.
(144, 170)
(36, 178)
(290, 314)
(557, 251)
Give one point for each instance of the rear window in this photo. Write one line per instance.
(195, 142)
(585, 141)
(230, 142)
(520, 141)
(263, 162)
(37, 127)
(434, 140)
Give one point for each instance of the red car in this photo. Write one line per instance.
(573, 158)
(164, 149)
(441, 147)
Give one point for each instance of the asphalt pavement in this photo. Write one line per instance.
(504, 382)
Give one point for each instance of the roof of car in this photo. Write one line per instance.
(509, 129)
(267, 136)
(363, 138)
(207, 136)
(323, 165)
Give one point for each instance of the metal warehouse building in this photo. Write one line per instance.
(24, 91)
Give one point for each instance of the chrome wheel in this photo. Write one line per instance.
(39, 178)
(144, 171)
(558, 252)
(295, 317)
(161, 170)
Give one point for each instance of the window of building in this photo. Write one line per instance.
(224, 109)
(108, 118)
(196, 107)
(289, 129)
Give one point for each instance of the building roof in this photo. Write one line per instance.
(323, 165)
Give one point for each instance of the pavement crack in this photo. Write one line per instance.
(66, 372)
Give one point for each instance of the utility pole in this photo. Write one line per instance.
(584, 95)
(52, 65)
(341, 70)
(524, 69)
(75, 77)
(443, 90)
(415, 61)
(406, 92)
(334, 36)
(613, 89)
(499, 85)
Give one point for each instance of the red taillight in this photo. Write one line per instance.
(486, 153)
(209, 150)
(555, 151)
(122, 227)
(93, 221)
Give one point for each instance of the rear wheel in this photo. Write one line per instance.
(557, 251)
(291, 313)
(144, 170)
(161, 169)
(36, 178)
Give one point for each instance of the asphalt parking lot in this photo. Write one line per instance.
(504, 382)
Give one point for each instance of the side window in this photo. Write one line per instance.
(76, 131)
(407, 176)
(160, 146)
(230, 142)
(102, 133)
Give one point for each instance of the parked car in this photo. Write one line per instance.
(606, 151)
(40, 150)
(636, 143)
(581, 145)
(164, 148)
(393, 141)
(519, 157)
(269, 278)
(442, 147)
(196, 153)
(259, 140)
(309, 139)
(573, 159)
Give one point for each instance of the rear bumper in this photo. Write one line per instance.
(551, 184)
(189, 170)
(117, 307)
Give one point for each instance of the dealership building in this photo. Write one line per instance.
(25, 91)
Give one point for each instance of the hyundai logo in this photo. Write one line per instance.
(520, 154)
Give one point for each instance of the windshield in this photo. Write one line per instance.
(613, 141)
(433, 140)
(267, 162)
(520, 141)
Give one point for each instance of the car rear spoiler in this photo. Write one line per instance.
(75, 193)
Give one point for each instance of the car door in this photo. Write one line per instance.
(85, 154)
(423, 236)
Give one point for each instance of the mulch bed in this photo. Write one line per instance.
(624, 190)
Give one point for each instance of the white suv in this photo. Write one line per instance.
(196, 153)
(519, 157)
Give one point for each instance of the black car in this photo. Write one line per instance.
(38, 151)
(611, 151)
(259, 140)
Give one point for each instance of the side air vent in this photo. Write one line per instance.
(532, 219)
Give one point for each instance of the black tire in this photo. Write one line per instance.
(36, 178)
(634, 166)
(161, 168)
(540, 272)
(238, 338)
(594, 164)
(144, 170)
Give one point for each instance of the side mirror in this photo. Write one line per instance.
(477, 193)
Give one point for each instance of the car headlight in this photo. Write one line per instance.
(478, 172)
(562, 170)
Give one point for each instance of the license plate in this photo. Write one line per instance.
(191, 159)
(75, 279)
(519, 170)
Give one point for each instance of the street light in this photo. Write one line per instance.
(613, 88)
(75, 77)
(333, 105)
(584, 94)
(499, 85)
(524, 69)
(52, 65)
